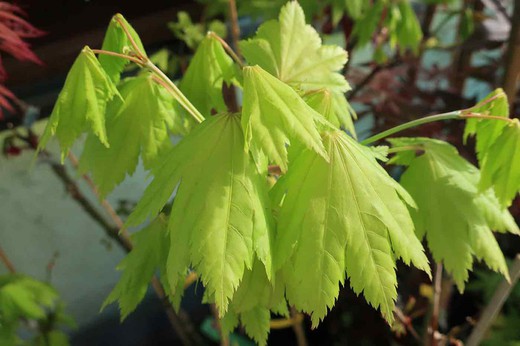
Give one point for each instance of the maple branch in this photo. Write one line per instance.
(434, 322)
(227, 48)
(118, 55)
(235, 28)
(6, 261)
(301, 339)
(413, 123)
(179, 96)
(407, 322)
(495, 304)
(455, 115)
(282, 323)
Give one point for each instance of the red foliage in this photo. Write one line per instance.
(14, 29)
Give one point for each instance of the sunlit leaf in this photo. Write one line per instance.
(274, 115)
(116, 40)
(137, 127)
(292, 51)
(454, 216)
(219, 218)
(81, 104)
(344, 214)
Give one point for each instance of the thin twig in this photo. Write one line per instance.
(495, 304)
(118, 55)
(282, 323)
(130, 37)
(512, 63)
(235, 27)
(301, 339)
(407, 322)
(6, 261)
(434, 321)
(227, 48)
(179, 96)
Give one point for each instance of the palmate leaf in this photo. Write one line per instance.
(346, 214)
(209, 68)
(220, 218)
(455, 217)
(274, 115)
(149, 253)
(498, 147)
(292, 51)
(137, 127)
(81, 104)
(117, 41)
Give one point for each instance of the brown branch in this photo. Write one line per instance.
(495, 304)
(407, 322)
(434, 320)
(235, 28)
(512, 63)
(228, 49)
(282, 323)
(301, 339)
(6, 261)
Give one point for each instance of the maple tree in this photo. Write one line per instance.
(333, 212)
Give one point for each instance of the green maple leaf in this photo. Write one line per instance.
(486, 131)
(292, 51)
(455, 217)
(274, 115)
(220, 216)
(81, 104)
(333, 106)
(344, 214)
(500, 166)
(498, 147)
(209, 68)
(137, 127)
(149, 253)
(117, 41)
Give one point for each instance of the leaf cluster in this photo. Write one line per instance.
(259, 241)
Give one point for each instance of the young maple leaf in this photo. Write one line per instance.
(81, 104)
(209, 68)
(137, 127)
(498, 147)
(454, 216)
(346, 214)
(274, 115)
(117, 41)
(220, 218)
(292, 51)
